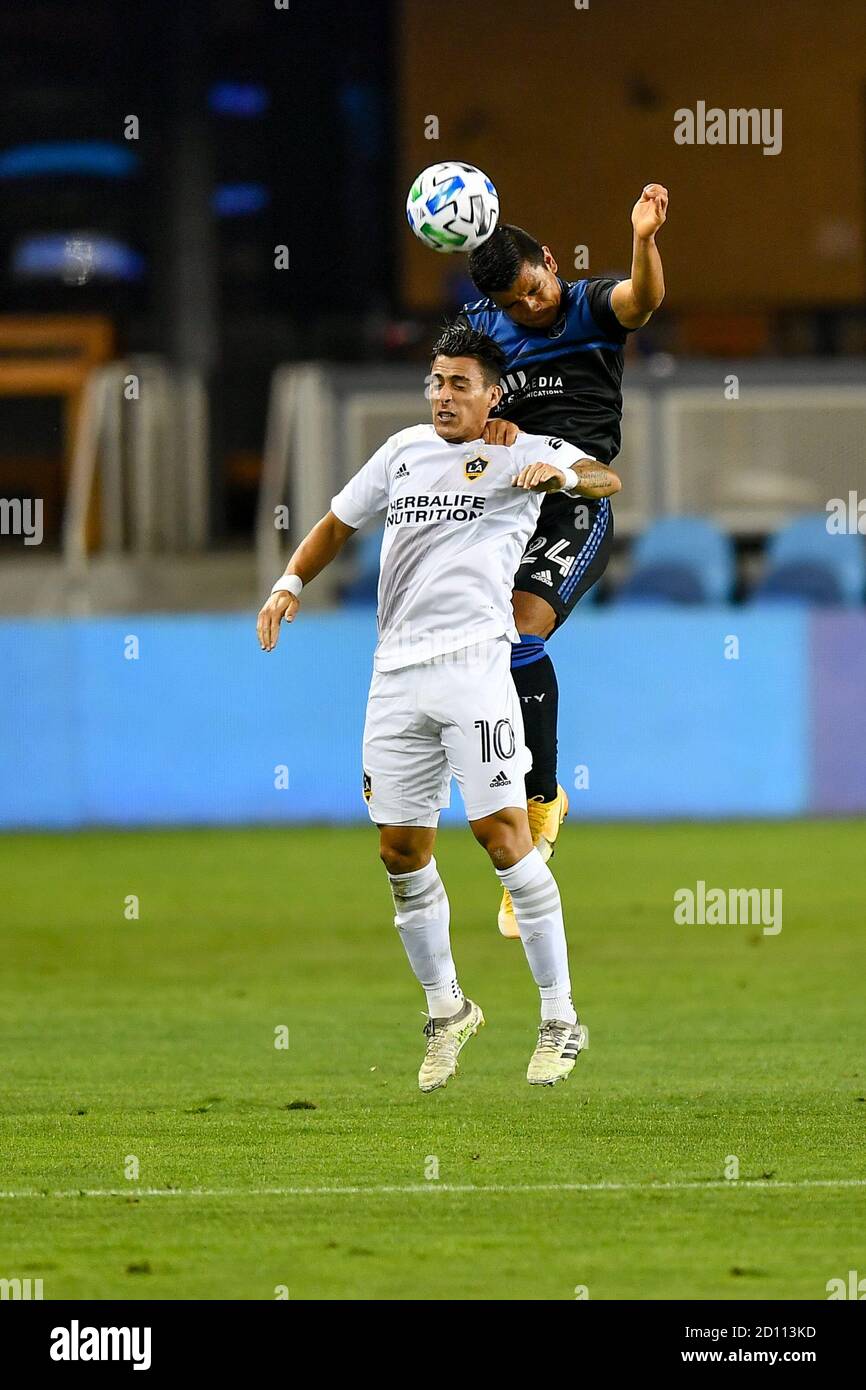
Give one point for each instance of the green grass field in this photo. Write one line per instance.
(154, 1038)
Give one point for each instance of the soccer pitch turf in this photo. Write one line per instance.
(154, 1040)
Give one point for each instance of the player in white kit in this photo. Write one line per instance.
(442, 702)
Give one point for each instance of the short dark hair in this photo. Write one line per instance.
(495, 264)
(458, 339)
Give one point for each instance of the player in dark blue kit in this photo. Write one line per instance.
(563, 342)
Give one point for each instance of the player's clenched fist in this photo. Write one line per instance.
(279, 606)
(500, 432)
(540, 477)
(650, 210)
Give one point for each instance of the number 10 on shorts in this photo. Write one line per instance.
(502, 739)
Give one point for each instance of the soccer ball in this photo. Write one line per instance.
(452, 207)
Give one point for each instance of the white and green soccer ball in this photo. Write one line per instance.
(452, 207)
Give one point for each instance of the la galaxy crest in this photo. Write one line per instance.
(474, 467)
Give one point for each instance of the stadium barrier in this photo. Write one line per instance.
(139, 463)
(717, 712)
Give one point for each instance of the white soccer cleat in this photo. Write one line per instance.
(556, 1052)
(445, 1038)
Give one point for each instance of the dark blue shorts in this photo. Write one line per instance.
(568, 552)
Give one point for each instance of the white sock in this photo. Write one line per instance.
(422, 919)
(538, 910)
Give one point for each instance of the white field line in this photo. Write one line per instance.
(411, 1189)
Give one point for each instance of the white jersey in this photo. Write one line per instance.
(455, 530)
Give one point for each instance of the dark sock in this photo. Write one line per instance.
(535, 680)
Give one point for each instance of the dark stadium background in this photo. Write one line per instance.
(765, 255)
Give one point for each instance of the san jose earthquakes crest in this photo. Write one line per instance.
(474, 467)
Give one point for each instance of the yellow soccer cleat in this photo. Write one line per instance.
(545, 820)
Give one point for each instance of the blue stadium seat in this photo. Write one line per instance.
(807, 564)
(680, 560)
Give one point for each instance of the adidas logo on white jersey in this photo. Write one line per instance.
(402, 472)
(543, 576)
(500, 780)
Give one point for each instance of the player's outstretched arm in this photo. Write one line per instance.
(315, 552)
(635, 300)
(589, 479)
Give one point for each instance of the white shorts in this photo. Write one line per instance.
(457, 714)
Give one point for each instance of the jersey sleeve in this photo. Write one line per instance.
(366, 493)
(536, 448)
(598, 294)
(548, 449)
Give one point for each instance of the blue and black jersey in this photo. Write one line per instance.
(565, 380)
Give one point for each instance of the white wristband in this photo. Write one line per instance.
(570, 479)
(288, 584)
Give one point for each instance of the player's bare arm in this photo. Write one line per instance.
(596, 479)
(636, 299)
(314, 554)
(593, 479)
